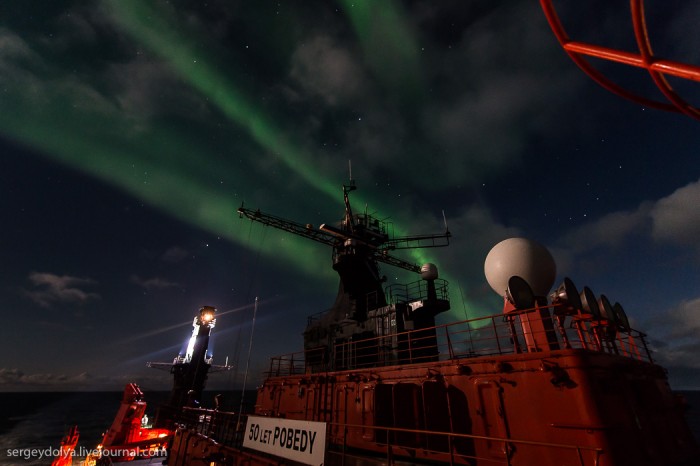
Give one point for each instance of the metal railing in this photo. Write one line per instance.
(228, 429)
(457, 448)
(494, 335)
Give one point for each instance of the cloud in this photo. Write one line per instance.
(681, 322)
(17, 380)
(676, 344)
(145, 88)
(155, 283)
(51, 289)
(175, 254)
(497, 100)
(323, 68)
(13, 47)
(676, 218)
(610, 230)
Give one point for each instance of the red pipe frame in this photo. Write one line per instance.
(658, 68)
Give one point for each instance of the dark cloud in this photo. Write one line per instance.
(50, 289)
(676, 342)
(15, 380)
(324, 68)
(154, 283)
(175, 254)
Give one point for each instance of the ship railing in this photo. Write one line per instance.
(225, 427)
(495, 335)
(291, 363)
(228, 428)
(502, 334)
(455, 448)
(416, 291)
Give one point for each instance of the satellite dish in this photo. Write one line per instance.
(623, 323)
(566, 294)
(522, 257)
(606, 309)
(589, 303)
(519, 293)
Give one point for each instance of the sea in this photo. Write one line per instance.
(32, 424)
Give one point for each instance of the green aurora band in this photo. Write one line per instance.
(158, 30)
(396, 63)
(91, 137)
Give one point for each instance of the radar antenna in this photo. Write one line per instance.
(657, 67)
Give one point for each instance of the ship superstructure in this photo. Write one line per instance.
(362, 311)
(555, 378)
(131, 436)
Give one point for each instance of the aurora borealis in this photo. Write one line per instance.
(131, 131)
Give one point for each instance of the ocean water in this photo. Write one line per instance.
(38, 421)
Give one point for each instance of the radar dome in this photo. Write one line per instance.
(524, 258)
(429, 271)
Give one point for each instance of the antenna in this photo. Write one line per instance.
(247, 364)
(350, 170)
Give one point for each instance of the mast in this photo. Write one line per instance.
(190, 370)
(359, 242)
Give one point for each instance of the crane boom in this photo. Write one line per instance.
(322, 235)
(307, 230)
(357, 234)
(360, 241)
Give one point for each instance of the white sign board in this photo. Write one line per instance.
(302, 441)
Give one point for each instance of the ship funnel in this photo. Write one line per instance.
(566, 298)
(589, 304)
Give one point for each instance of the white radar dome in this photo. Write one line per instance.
(429, 271)
(524, 258)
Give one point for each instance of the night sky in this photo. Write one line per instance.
(130, 132)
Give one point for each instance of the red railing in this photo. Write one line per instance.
(644, 57)
(570, 454)
(228, 428)
(494, 335)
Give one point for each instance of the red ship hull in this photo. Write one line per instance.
(562, 407)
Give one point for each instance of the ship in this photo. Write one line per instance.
(66, 450)
(556, 377)
(132, 438)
